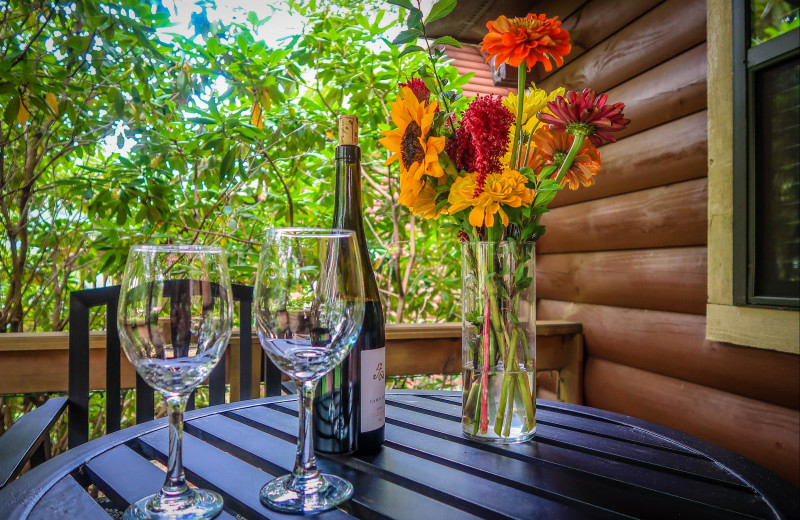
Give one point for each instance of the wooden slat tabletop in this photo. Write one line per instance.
(583, 463)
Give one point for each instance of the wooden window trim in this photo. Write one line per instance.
(725, 321)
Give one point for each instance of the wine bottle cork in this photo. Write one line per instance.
(348, 130)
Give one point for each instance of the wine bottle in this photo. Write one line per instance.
(349, 412)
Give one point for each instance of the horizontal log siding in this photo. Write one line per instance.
(627, 256)
(674, 344)
(658, 36)
(675, 278)
(760, 431)
(671, 215)
(594, 22)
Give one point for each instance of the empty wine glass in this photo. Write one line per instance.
(175, 317)
(309, 299)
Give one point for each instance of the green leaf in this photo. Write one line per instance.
(410, 49)
(402, 3)
(440, 9)
(532, 231)
(226, 165)
(544, 197)
(203, 120)
(547, 172)
(447, 40)
(415, 19)
(119, 104)
(11, 111)
(524, 284)
(407, 36)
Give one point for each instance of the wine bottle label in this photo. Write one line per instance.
(373, 388)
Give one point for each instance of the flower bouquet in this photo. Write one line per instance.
(492, 165)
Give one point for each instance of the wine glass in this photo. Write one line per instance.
(175, 317)
(309, 300)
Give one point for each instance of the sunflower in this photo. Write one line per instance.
(526, 40)
(500, 189)
(409, 142)
(552, 147)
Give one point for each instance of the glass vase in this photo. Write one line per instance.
(498, 321)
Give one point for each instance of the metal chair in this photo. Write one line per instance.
(28, 439)
(80, 304)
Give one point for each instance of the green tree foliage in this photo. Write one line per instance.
(220, 137)
(60, 64)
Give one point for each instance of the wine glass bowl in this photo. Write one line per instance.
(175, 318)
(309, 308)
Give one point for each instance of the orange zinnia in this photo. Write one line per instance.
(552, 147)
(530, 39)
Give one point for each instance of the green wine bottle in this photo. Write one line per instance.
(349, 410)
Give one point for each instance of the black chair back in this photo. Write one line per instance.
(80, 304)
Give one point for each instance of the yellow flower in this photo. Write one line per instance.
(536, 100)
(507, 188)
(409, 142)
(425, 205)
(461, 193)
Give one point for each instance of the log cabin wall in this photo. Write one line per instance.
(627, 257)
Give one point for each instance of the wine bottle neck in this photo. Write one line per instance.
(347, 208)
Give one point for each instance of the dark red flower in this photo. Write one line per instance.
(481, 138)
(586, 114)
(419, 89)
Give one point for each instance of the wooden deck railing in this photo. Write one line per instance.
(37, 362)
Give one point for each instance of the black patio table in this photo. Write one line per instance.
(583, 463)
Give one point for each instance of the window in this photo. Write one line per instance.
(766, 133)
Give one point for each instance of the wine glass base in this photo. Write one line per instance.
(317, 495)
(196, 504)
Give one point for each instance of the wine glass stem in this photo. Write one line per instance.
(175, 483)
(305, 466)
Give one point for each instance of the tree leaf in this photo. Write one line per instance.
(227, 165)
(407, 36)
(255, 116)
(203, 120)
(410, 49)
(402, 3)
(440, 9)
(414, 20)
(119, 104)
(447, 40)
(52, 102)
(22, 113)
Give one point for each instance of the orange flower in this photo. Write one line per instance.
(528, 40)
(552, 147)
(501, 189)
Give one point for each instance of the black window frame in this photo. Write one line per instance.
(747, 61)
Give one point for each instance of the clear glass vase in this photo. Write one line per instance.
(498, 321)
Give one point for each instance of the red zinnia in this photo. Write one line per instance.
(530, 39)
(482, 138)
(419, 89)
(586, 114)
